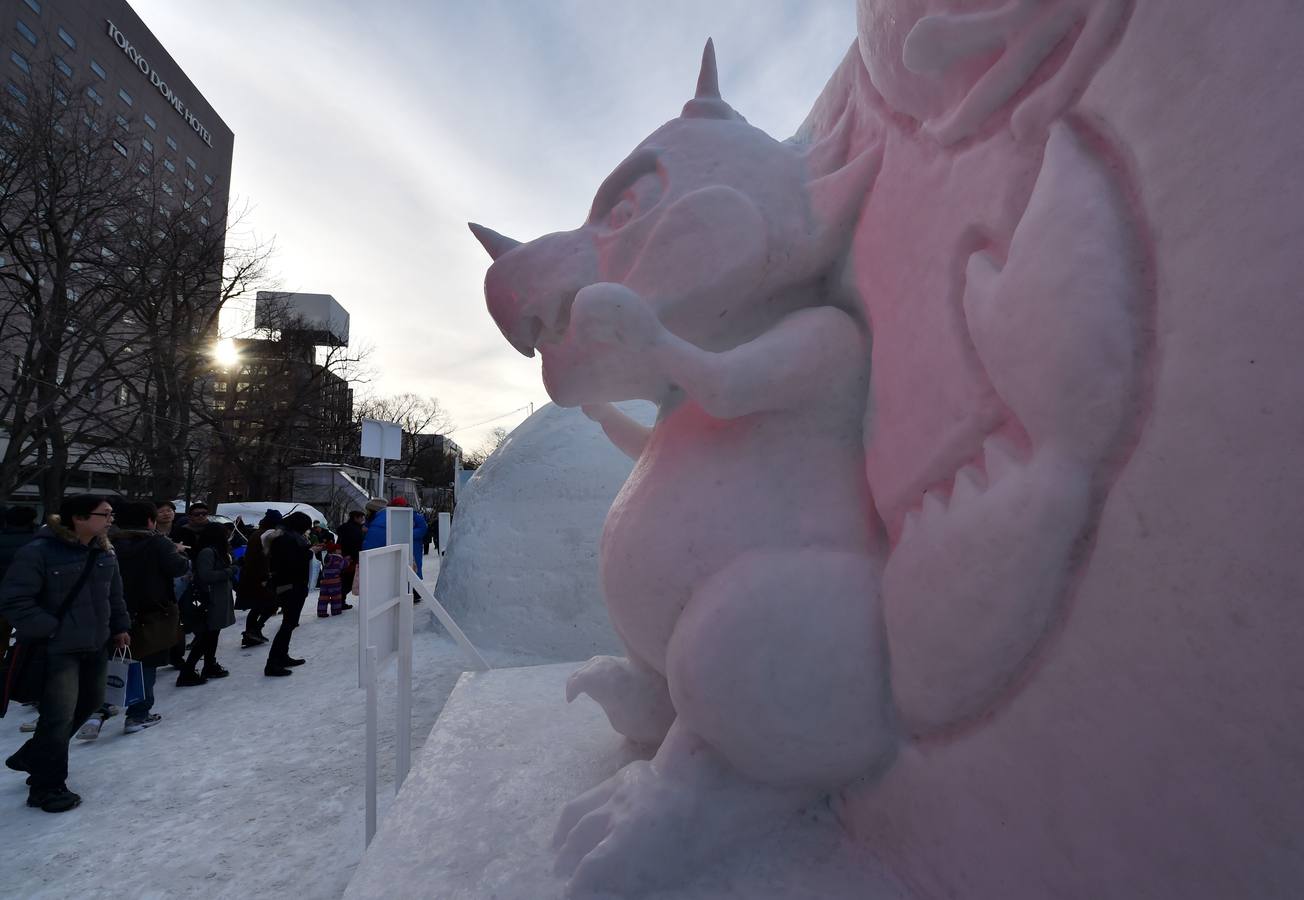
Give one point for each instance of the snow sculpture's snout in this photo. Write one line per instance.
(530, 287)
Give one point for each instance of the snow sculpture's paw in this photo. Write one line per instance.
(644, 828)
(634, 697)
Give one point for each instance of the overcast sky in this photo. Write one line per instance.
(367, 135)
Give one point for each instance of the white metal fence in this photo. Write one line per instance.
(386, 580)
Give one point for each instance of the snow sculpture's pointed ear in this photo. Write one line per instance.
(708, 104)
(837, 196)
(494, 243)
(708, 79)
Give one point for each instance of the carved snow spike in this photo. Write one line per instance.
(496, 244)
(708, 104)
(708, 79)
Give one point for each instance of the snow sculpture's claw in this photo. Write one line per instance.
(634, 697)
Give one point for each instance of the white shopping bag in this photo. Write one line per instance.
(119, 676)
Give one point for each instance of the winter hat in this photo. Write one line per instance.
(298, 522)
(398, 501)
(273, 517)
(376, 504)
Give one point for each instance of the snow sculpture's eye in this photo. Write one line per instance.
(622, 213)
(635, 199)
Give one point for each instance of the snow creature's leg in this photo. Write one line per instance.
(778, 672)
(632, 694)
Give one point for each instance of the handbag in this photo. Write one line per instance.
(194, 606)
(22, 674)
(124, 680)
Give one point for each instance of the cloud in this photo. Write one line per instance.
(367, 135)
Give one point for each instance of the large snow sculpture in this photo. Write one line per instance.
(996, 609)
(744, 587)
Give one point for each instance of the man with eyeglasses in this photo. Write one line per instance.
(64, 589)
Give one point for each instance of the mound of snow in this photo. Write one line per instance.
(521, 571)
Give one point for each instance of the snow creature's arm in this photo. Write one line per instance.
(777, 370)
(781, 369)
(628, 435)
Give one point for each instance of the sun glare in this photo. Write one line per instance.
(225, 353)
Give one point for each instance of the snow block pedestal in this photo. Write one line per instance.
(475, 818)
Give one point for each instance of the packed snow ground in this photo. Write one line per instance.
(249, 787)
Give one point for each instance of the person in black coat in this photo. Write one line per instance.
(70, 562)
(214, 582)
(289, 558)
(18, 531)
(150, 563)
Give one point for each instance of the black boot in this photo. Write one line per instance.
(55, 799)
(190, 678)
(251, 639)
(276, 670)
(287, 662)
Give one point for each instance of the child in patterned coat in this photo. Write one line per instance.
(331, 599)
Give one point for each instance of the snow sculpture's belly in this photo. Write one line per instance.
(706, 490)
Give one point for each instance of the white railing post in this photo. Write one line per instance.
(373, 739)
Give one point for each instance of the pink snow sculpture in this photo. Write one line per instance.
(1034, 616)
(743, 587)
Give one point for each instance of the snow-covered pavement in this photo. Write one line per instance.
(249, 787)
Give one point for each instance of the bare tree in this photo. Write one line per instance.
(288, 401)
(65, 179)
(181, 269)
(419, 416)
(495, 439)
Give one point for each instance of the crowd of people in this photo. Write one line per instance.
(105, 575)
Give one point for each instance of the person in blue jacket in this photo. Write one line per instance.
(376, 531)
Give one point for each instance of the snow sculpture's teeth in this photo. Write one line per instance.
(933, 508)
(969, 483)
(998, 457)
(908, 527)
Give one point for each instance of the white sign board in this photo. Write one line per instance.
(445, 531)
(398, 525)
(383, 585)
(382, 440)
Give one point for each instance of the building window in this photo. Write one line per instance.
(33, 6)
(122, 123)
(95, 95)
(208, 180)
(167, 189)
(149, 120)
(190, 162)
(67, 38)
(169, 165)
(171, 143)
(99, 70)
(124, 96)
(203, 220)
(19, 61)
(26, 32)
(190, 185)
(121, 149)
(18, 95)
(63, 66)
(219, 405)
(208, 203)
(149, 148)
